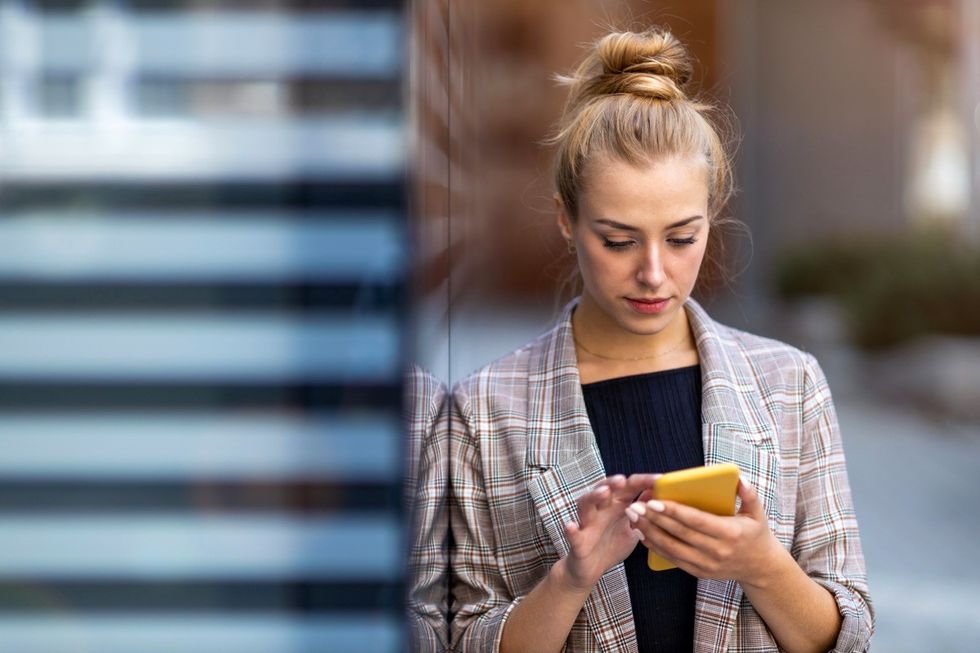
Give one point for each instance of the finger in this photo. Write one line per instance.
(622, 491)
(696, 539)
(638, 534)
(667, 546)
(606, 496)
(572, 530)
(601, 496)
(751, 505)
(693, 519)
(615, 481)
(617, 485)
(573, 533)
(591, 500)
(637, 483)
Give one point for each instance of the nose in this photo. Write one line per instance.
(651, 270)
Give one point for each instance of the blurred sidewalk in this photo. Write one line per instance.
(916, 491)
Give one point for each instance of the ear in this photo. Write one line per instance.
(564, 224)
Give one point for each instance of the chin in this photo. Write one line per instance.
(649, 326)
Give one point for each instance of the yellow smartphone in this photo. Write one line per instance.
(711, 488)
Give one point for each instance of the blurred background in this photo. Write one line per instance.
(210, 286)
(203, 261)
(859, 175)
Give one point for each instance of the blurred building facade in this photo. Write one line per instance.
(202, 275)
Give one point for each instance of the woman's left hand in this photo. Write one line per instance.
(740, 547)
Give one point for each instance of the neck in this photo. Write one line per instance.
(600, 335)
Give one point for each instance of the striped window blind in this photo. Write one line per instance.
(202, 299)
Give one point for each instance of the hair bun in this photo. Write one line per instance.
(653, 64)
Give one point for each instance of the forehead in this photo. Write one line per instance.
(666, 189)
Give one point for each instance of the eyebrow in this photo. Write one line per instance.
(626, 227)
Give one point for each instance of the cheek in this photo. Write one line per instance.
(685, 265)
(690, 258)
(602, 264)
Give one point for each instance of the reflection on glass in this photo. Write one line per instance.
(426, 493)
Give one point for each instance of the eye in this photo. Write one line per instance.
(682, 242)
(616, 244)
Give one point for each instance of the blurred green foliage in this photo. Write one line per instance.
(892, 289)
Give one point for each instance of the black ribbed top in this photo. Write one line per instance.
(650, 423)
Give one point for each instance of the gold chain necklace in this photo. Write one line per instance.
(638, 358)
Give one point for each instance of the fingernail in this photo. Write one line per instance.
(640, 534)
(655, 505)
(638, 508)
(632, 515)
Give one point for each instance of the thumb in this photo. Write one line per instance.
(751, 505)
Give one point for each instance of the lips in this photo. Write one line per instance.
(648, 306)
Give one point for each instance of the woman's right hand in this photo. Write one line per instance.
(603, 536)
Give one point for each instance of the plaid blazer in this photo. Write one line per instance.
(522, 450)
(425, 424)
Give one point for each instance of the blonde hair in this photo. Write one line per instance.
(628, 101)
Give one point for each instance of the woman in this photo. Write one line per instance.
(553, 448)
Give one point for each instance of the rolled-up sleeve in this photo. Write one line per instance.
(481, 602)
(826, 541)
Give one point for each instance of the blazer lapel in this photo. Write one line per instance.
(564, 463)
(735, 429)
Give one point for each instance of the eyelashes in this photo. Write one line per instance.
(624, 244)
(616, 244)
